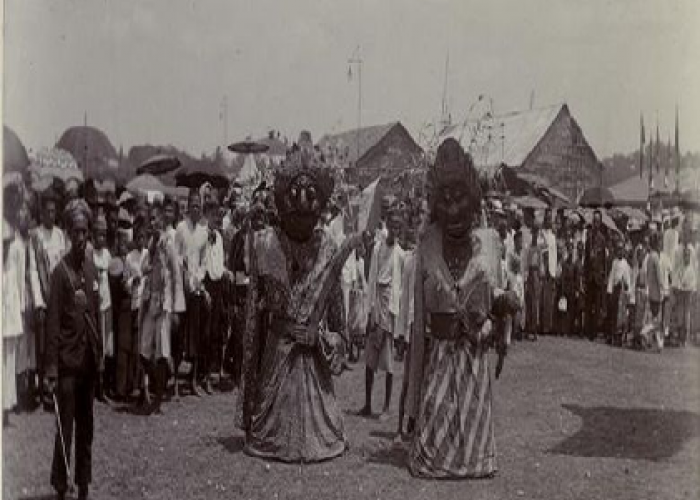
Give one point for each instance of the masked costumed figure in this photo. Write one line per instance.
(450, 384)
(294, 326)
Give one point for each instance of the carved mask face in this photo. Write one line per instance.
(302, 207)
(454, 209)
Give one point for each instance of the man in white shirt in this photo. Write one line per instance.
(383, 298)
(618, 290)
(47, 245)
(672, 236)
(215, 278)
(191, 236)
(549, 249)
(666, 266)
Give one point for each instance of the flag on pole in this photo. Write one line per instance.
(370, 207)
(677, 155)
(657, 151)
(641, 145)
(668, 155)
(651, 162)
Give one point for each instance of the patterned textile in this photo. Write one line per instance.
(287, 405)
(455, 435)
(450, 379)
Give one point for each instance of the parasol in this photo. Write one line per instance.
(55, 163)
(596, 197)
(249, 174)
(159, 165)
(248, 147)
(145, 183)
(196, 174)
(14, 154)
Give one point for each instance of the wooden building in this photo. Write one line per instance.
(368, 152)
(543, 145)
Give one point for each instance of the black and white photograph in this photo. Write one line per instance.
(350, 249)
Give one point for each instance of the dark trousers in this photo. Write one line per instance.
(594, 308)
(195, 335)
(234, 346)
(213, 353)
(75, 394)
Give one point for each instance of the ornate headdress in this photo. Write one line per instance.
(453, 165)
(304, 159)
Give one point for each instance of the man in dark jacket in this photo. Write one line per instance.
(596, 275)
(74, 351)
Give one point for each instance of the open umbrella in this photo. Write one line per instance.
(596, 197)
(56, 162)
(14, 154)
(159, 165)
(197, 173)
(248, 147)
(145, 183)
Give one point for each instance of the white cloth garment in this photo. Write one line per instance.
(134, 263)
(50, 245)
(620, 273)
(214, 257)
(550, 244)
(190, 244)
(101, 258)
(671, 238)
(14, 288)
(385, 271)
(404, 323)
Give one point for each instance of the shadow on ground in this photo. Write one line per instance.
(233, 444)
(633, 433)
(396, 456)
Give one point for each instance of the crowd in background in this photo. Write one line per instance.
(173, 279)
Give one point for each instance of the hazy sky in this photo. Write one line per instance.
(156, 71)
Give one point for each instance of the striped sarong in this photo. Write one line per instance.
(455, 436)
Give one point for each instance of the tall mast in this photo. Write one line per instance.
(444, 112)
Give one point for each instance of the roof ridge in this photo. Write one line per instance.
(367, 127)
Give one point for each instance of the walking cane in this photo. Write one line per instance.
(71, 487)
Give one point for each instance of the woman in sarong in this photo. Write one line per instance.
(450, 376)
(292, 343)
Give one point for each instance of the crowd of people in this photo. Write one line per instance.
(633, 286)
(139, 300)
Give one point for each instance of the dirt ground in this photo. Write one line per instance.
(574, 420)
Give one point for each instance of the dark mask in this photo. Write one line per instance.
(301, 207)
(454, 210)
